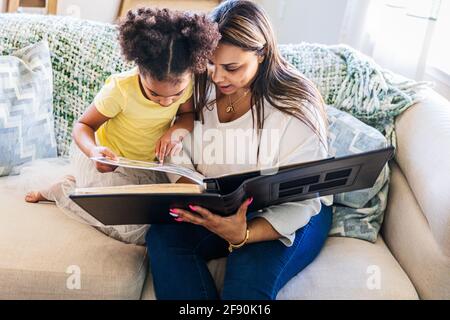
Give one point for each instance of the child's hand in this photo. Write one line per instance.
(169, 144)
(103, 152)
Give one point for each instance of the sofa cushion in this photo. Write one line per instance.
(43, 252)
(346, 268)
(26, 109)
(349, 269)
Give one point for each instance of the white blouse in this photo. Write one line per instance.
(218, 148)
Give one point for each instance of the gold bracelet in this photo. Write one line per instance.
(231, 246)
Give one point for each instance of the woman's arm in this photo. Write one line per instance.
(297, 144)
(232, 228)
(261, 230)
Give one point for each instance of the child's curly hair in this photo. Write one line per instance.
(166, 43)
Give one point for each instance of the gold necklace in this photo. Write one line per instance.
(230, 107)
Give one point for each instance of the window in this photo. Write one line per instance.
(439, 56)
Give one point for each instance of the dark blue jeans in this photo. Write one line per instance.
(179, 254)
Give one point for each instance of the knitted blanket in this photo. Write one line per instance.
(85, 53)
(353, 82)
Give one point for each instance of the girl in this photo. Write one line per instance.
(250, 88)
(131, 116)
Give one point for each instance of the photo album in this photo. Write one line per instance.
(147, 204)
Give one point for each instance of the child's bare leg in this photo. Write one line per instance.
(36, 196)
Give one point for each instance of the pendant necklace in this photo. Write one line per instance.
(232, 104)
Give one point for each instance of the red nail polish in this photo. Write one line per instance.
(192, 207)
(250, 201)
(179, 220)
(173, 210)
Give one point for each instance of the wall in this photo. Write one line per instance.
(294, 21)
(311, 21)
(99, 10)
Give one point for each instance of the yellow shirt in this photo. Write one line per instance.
(136, 122)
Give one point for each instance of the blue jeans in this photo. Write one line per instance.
(179, 254)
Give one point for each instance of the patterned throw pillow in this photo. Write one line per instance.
(84, 54)
(357, 214)
(26, 109)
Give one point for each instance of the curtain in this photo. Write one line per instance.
(397, 34)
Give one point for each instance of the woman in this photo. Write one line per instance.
(250, 88)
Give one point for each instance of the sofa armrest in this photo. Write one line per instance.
(423, 154)
(409, 237)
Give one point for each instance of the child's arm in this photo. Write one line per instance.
(170, 142)
(84, 136)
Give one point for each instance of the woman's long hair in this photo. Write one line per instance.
(245, 25)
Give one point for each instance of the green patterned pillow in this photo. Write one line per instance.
(357, 214)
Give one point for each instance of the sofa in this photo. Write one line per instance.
(46, 255)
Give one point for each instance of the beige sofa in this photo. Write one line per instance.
(46, 255)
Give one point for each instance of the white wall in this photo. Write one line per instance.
(98, 10)
(294, 20)
(306, 20)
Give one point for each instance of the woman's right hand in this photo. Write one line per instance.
(100, 151)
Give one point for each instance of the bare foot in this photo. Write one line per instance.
(34, 197)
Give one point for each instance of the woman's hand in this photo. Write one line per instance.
(100, 151)
(233, 228)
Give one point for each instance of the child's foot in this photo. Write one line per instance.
(34, 197)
